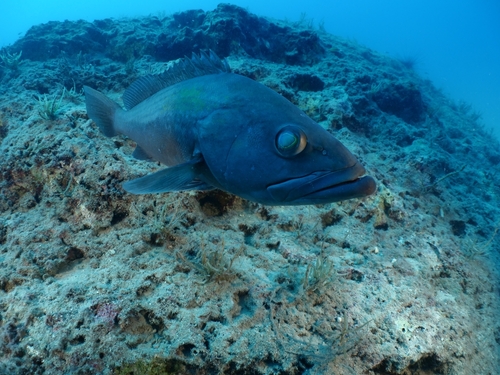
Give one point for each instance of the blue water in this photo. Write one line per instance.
(456, 43)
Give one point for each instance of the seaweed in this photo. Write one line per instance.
(213, 264)
(474, 250)
(156, 366)
(318, 274)
(428, 188)
(72, 94)
(48, 109)
(11, 61)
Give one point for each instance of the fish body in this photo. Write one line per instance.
(217, 129)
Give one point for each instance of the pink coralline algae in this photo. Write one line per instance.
(107, 312)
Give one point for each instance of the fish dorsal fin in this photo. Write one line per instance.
(181, 70)
(141, 89)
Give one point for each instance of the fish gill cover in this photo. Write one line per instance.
(95, 280)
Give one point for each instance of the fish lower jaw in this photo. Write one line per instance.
(324, 187)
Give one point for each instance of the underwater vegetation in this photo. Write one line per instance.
(11, 61)
(49, 108)
(96, 280)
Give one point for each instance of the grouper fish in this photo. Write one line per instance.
(217, 129)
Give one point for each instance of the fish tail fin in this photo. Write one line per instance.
(102, 110)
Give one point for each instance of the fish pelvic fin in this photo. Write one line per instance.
(101, 110)
(179, 177)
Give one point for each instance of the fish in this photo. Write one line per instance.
(215, 129)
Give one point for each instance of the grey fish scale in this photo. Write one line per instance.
(166, 136)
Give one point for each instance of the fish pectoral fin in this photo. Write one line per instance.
(140, 154)
(179, 177)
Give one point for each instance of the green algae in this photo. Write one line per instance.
(156, 366)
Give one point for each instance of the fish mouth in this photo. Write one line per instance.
(324, 187)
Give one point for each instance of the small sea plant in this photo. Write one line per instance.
(11, 61)
(213, 264)
(428, 188)
(348, 337)
(170, 215)
(154, 366)
(475, 250)
(318, 274)
(48, 108)
(72, 94)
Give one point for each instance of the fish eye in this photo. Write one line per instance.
(290, 141)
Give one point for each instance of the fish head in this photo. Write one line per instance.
(315, 168)
(289, 163)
